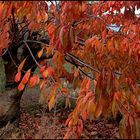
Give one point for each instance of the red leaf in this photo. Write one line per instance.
(18, 77)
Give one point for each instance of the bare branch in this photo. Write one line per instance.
(39, 42)
(32, 54)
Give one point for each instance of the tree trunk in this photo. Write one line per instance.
(9, 99)
(9, 106)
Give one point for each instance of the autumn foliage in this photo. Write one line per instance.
(106, 63)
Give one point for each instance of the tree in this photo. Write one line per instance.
(106, 63)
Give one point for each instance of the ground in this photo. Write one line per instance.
(38, 123)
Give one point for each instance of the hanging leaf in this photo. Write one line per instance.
(99, 108)
(76, 73)
(33, 81)
(52, 102)
(21, 65)
(61, 35)
(91, 107)
(68, 104)
(116, 97)
(26, 77)
(42, 84)
(21, 86)
(18, 77)
(45, 74)
(71, 35)
(39, 54)
(114, 109)
(50, 71)
(42, 69)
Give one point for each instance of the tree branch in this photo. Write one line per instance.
(31, 54)
(39, 42)
(83, 63)
(73, 63)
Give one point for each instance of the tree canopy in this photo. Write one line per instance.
(105, 63)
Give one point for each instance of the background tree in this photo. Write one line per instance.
(106, 63)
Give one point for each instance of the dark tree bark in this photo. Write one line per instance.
(9, 106)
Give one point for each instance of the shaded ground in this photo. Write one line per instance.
(36, 123)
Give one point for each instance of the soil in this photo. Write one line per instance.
(38, 123)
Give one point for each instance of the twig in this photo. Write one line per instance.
(39, 42)
(4, 52)
(80, 69)
(87, 65)
(12, 58)
(32, 54)
(87, 74)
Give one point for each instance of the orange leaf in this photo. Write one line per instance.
(116, 96)
(42, 84)
(50, 71)
(52, 102)
(114, 108)
(26, 77)
(61, 35)
(76, 73)
(21, 86)
(88, 84)
(18, 77)
(45, 74)
(67, 121)
(95, 83)
(21, 65)
(68, 104)
(39, 54)
(33, 81)
(42, 69)
(99, 108)
(84, 115)
(70, 123)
